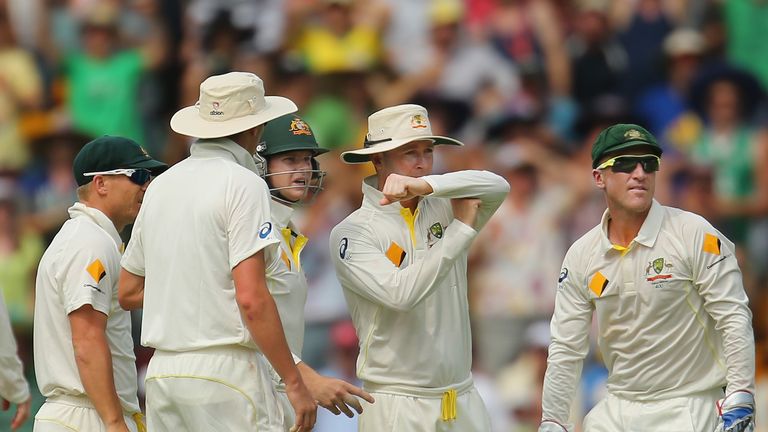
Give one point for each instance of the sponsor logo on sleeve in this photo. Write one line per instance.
(265, 230)
(711, 244)
(96, 270)
(344, 248)
(396, 254)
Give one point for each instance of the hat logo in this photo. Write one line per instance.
(215, 110)
(298, 127)
(144, 152)
(633, 134)
(418, 121)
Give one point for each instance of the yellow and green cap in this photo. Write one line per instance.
(108, 153)
(622, 136)
(288, 133)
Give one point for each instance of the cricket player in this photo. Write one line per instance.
(402, 262)
(13, 387)
(673, 323)
(83, 348)
(286, 160)
(196, 263)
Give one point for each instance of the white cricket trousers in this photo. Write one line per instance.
(397, 409)
(289, 416)
(214, 389)
(77, 414)
(695, 413)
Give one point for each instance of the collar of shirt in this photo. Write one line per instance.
(648, 232)
(226, 148)
(372, 196)
(81, 210)
(281, 214)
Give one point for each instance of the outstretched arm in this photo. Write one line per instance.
(333, 394)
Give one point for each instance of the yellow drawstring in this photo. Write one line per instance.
(410, 219)
(448, 407)
(296, 247)
(139, 419)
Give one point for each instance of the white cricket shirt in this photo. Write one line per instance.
(13, 386)
(198, 220)
(285, 277)
(672, 315)
(81, 267)
(404, 278)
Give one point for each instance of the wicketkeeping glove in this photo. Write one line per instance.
(737, 412)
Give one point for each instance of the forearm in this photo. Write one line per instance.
(560, 383)
(13, 386)
(491, 189)
(130, 292)
(263, 322)
(372, 275)
(94, 363)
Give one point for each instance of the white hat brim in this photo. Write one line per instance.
(187, 121)
(364, 154)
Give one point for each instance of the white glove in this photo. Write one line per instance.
(551, 426)
(737, 412)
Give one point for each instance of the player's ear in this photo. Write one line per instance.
(99, 185)
(597, 176)
(376, 159)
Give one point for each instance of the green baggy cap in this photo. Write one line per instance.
(288, 133)
(622, 136)
(108, 153)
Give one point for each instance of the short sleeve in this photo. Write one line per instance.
(133, 258)
(85, 278)
(249, 228)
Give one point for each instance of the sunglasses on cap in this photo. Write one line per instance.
(139, 176)
(627, 163)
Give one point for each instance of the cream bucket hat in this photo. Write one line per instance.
(228, 104)
(393, 127)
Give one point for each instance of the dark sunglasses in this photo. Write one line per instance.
(139, 176)
(627, 164)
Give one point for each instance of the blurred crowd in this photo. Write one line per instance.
(526, 84)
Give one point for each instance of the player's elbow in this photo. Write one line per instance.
(252, 306)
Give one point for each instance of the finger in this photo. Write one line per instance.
(312, 419)
(354, 403)
(360, 393)
(344, 408)
(6, 405)
(18, 419)
(332, 408)
(385, 201)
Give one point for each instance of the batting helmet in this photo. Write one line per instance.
(285, 134)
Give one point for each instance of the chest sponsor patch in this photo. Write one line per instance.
(434, 233)
(653, 271)
(711, 244)
(96, 270)
(396, 254)
(598, 283)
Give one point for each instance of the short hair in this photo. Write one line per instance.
(84, 191)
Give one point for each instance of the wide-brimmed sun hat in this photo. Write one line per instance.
(393, 127)
(229, 104)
